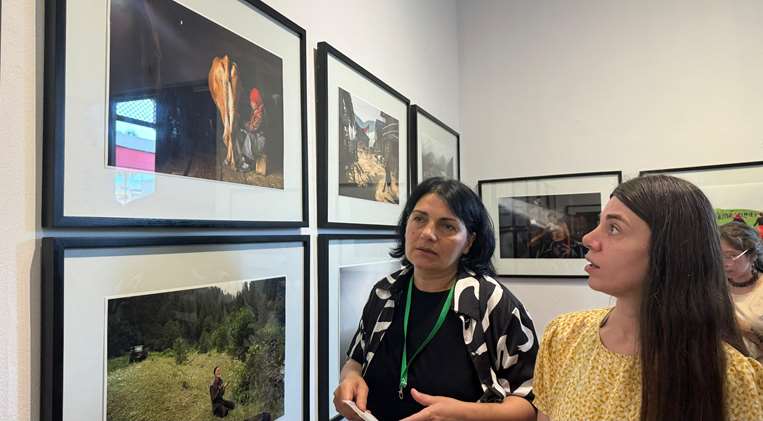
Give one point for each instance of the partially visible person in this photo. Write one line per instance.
(220, 406)
(560, 243)
(742, 251)
(670, 348)
(738, 218)
(441, 339)
(759, 223)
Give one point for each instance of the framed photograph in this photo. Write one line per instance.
(173, 113)
(540, 221)
(348, 265)
(175, 328)
(435, 147)
(733, 189)
(362, 129)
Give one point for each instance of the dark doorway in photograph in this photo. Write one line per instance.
(368, 151)
(546, 227)
(198, 353)
(191, 98)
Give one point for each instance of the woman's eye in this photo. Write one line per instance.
(613, 229)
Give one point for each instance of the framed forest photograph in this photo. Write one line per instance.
(733, 189)
(175, 329)
(362, 129)
(174, 113)
(541, 221)
(435, 147)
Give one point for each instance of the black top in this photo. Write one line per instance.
(443, 368)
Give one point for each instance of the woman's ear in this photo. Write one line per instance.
(469, 242)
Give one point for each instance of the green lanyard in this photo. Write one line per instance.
(406, 363)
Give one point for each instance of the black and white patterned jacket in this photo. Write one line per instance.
(498, 332)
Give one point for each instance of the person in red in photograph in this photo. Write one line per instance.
(252, 141)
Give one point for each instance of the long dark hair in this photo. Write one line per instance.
(686, 311)
(468, 207)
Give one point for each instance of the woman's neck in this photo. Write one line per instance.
(433, 281)
(620, 333)
(744, 286)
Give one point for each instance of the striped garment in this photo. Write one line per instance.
(498, 332)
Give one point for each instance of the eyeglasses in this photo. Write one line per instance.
(734, 258)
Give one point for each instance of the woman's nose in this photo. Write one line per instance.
(429, 231)
(589, 240)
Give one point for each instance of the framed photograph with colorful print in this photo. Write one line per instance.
(175, 328)
(362, 130)
(435, 147)
(348, 267)
(174, 113)
(735, 190)
(540, 221)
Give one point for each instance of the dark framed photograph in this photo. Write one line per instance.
(362, 129)
(541, 221)
(733, 189)
(435, 147)
(348, 265)
(175, 328)
(174, 113)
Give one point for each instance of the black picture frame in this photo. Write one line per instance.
(417, 147)
(335, 209)
(728, 186)
(239, 211)
(551, 192)
(328, 303)
(58, 250)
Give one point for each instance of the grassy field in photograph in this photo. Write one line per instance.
(158, 389)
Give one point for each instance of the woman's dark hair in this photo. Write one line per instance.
(744, 237)
(686, 311)
(468, 207)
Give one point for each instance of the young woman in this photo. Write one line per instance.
(669, 349)
(742, 251)
(441, 339)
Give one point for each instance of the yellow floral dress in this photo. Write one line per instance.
(577, 378)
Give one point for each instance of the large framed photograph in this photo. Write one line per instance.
(348, 265)
(174, 113)
(362, 129)
(435, 147)
(540, 221)
(733, 189)
(175, 328)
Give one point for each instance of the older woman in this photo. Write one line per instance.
(441, 339)
(742, 251)
(669, 349)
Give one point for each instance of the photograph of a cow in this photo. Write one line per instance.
(189, 97)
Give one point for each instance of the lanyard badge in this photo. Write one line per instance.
(406, 362)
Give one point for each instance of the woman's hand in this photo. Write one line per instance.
(351, 387)
(441, 408)
(437, 408)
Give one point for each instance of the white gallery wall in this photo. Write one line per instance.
(412, 46)
(542, 87)
(555, 86)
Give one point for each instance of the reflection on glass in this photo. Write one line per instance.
(129, 186)
(135, 146)
(140, 109)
